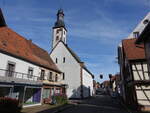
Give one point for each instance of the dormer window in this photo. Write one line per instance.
(136, 34)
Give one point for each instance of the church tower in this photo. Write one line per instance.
(59, 29)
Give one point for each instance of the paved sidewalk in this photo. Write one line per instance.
(46, 108)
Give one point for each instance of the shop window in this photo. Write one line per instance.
(57, 91)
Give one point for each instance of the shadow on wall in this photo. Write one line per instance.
(81, 92)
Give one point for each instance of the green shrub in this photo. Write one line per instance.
(9, 105)
(61, 99)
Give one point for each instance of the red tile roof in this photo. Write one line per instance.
(13, 44)
(133, 51)
(106, 83)
(113, 78)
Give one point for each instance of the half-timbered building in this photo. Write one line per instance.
(143, 38)
(135, 80)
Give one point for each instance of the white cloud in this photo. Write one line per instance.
(101, 29)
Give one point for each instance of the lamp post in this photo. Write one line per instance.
(101, 77)
(110, 76)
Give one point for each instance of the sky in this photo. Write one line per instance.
(95, 27)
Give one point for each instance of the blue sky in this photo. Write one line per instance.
(95, 27)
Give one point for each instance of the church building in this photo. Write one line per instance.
(74, 72)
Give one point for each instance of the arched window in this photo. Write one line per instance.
(57, 38)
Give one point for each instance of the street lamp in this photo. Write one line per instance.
(110, 76)
(101, 76)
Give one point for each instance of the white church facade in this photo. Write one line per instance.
(75, 73)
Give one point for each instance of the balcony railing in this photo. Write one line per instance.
(13, 76)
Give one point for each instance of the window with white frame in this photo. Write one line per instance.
(63, 76)
(30, 72)
(10, 69)
(56, 78)
(50, 76)
(140, 71)
(42, 74)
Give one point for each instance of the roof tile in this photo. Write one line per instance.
(133, 51)
(16, 45)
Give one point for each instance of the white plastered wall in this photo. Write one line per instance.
(87, 83)
(71, 68)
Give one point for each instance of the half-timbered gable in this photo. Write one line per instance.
(136, 74)
(140, 71)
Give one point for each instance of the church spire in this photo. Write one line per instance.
(59, 29)
(2, 20)
(60, 19)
